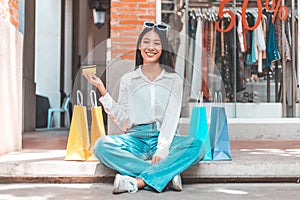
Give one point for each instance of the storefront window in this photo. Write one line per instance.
(245, 50)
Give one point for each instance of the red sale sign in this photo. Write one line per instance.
(276, 7)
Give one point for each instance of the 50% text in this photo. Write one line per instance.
(276, 7)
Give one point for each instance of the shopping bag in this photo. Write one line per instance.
(78, 140)
(199, 127)
(97, 125)
(218, 131)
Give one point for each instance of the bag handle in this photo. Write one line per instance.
(79, 98)
(216, 99)
(220, 99)
(200, 97)
(93, 98)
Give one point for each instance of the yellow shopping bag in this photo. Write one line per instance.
(97, 125)
(78, 141)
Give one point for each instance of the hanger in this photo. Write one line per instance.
(191, 13)
(226, 15)
(197, 12)
(214, 14)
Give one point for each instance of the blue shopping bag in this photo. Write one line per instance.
(199, 128)
(218, 131)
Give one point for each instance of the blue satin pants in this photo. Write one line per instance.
(128, 154)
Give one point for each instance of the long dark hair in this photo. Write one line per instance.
(166, 59)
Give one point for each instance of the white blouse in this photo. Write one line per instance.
(143, 101)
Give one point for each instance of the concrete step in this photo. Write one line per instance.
(256, 129)
(252, 161)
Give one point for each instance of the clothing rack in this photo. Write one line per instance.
(201, 3)
(193, 4)
(236, 3)
(212, 13)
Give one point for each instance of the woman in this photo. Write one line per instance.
(148, 110)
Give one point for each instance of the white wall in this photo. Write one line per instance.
(47, 57)
(68, 47)
(11, 47)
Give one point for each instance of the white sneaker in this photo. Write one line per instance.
(124, 183)
(176, 183)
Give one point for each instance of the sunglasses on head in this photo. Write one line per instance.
(158, 26)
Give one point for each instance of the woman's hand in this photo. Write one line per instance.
(155, 159)
(95, 81)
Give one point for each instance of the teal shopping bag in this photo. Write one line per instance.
(218, 131)
(199, 128)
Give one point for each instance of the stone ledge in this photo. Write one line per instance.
(247, 165)
(109, 179)
(254, 129)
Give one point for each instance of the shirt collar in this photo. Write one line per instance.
(139, 74)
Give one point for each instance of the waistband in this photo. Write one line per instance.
(151, 126)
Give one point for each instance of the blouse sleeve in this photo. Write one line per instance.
(171, 119)
(118, 111)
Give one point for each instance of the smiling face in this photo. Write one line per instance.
(151, 47)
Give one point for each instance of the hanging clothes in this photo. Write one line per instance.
(271, 44)
(227, 64)
(191, 54)
(211, 53)
(204, 88)
(196, 82)
(251, 55)
(214, 78)
(240, 72)
(260, 43)
(240, 32)
(282, 37)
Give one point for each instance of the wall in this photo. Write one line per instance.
(10, 77)
(68, 47)
(29, 86)
(127, 18)
(47, 54)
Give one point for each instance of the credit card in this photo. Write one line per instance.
(88, 69)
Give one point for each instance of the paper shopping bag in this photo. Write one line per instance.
(97, 125)
(218, 132)
(199, 128)
(78, 140)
